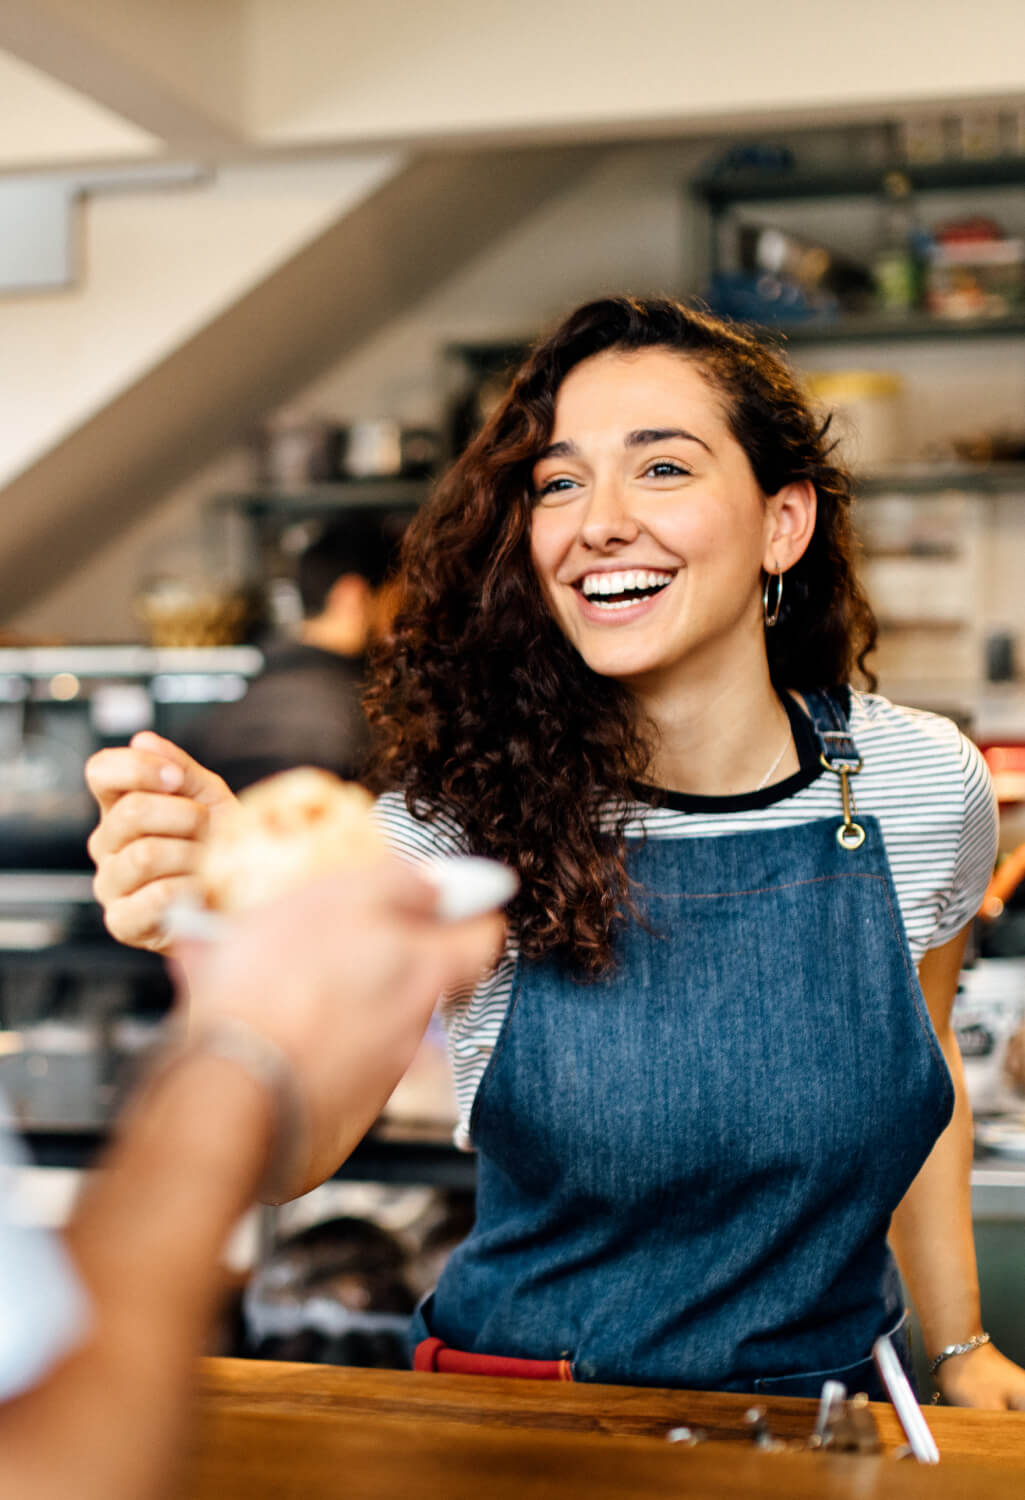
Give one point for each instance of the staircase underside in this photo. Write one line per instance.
(371, 266)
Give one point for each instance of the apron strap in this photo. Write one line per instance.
(832, 730)
(838, 753)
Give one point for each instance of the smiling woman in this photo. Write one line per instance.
(621, 488)
(505, 703)
(704, 1076)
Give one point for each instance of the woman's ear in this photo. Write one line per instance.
(790, 516)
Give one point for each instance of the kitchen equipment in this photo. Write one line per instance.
(45, 808)
(60, 704)
(384, 448)
(77, 1011)
(988, 1010)
(829, 280)
(184, 611)
(371, 450)
(294, 448)
(1003, 1137)
(332, 1294)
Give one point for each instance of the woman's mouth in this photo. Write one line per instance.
(614, 593)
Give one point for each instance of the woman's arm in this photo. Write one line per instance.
(931, 1231)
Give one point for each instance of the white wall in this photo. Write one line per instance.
(324, 70)
(623, 228)
(256, 74)
(156, 267)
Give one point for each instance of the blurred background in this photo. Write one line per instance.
(264, 268)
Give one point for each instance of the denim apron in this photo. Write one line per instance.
(687, 1169)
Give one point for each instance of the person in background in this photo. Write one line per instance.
(304, 708)
(99, 1331)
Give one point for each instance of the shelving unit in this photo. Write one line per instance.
(917, 326)
(928, 553)
(261, 516)
(932, 479)
(721, 193)
(720, 189)
(314, 500)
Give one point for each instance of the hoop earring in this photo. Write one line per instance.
(772, 616)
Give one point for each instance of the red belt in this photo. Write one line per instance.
(432, 1354)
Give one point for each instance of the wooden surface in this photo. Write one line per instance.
(278, 1430)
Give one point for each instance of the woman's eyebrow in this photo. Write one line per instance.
(644, 436)
(559, 450)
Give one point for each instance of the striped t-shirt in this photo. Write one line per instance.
(927, 785)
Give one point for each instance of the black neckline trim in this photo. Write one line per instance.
(811, 769)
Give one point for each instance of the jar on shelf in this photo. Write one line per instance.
(866, 410)
(179, 611)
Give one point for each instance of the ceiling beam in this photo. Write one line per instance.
(173, 70)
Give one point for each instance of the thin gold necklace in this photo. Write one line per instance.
(786, 746)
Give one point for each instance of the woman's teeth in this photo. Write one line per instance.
(620, 590)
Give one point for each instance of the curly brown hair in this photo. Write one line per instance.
(485, 712)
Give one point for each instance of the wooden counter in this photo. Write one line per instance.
(278, 1430)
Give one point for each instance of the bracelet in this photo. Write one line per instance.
(234, 1040)
(951, 1350)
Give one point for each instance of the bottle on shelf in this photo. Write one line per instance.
(901, 249)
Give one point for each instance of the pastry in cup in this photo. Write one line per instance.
(299, 824)
(283, 831)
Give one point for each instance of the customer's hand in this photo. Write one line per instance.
(342, 975)
(155, 803)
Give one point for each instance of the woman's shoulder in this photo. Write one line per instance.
(918, 742)
(881, 719)
(418, 833)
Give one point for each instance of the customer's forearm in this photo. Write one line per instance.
(147, 1241)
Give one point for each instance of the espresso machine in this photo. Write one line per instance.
(77, 1010)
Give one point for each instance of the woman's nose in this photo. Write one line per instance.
(607, 520)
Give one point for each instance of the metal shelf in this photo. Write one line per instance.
(931, 479)
(719, 193)
(918, 326)
(378, 1158)
(128, 661)
(856, 182)
(317, 499)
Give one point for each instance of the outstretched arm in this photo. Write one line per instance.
(931, 1231)
(339, 978)
(146, 1242)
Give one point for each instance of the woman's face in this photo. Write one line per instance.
(649, 533)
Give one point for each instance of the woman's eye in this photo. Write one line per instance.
(664, 467)
(553, 487)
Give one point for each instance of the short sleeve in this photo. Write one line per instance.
(416, 838)
(44, 1311)
(977, 846)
